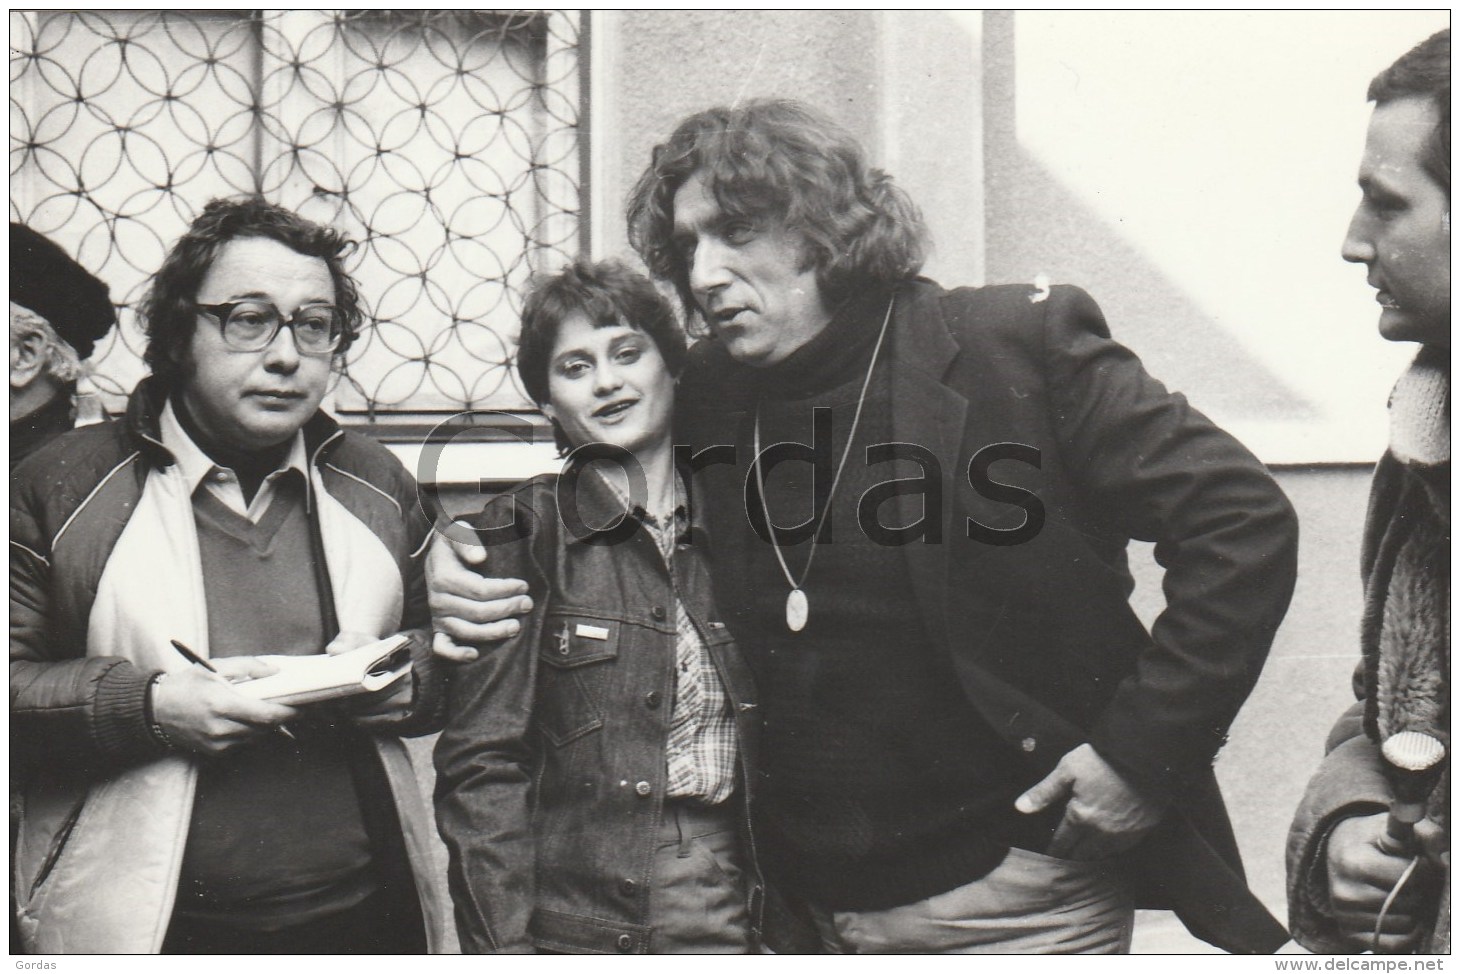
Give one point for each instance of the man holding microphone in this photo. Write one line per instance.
(1356, 881)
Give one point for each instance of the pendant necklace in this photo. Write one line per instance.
(798, 610)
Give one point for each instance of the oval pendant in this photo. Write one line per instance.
(796, 610)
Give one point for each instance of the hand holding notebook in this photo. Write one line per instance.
(310, 679)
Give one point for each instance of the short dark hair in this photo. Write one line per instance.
(606, 293)
(168, 308)
(1423, 71)
(776, 156)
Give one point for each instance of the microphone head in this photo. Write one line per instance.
(1413, 751)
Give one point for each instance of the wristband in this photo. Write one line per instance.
(158, 734)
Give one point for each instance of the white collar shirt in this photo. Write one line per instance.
(198, 468)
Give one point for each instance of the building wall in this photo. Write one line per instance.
(906, 84)
(1195, 172)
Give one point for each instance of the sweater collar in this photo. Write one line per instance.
(1419, 410)
(836, 355)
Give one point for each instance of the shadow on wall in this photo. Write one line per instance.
(1036, 225)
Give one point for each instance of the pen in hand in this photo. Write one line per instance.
(192, 657)
(197, 660)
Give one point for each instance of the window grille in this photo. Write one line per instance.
(445, 142)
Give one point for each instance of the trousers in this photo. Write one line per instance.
(698, 900)
(1029, 904)
(386, 922)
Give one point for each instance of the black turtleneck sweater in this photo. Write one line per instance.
(882, 785)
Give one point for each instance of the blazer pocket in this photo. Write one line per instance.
(576, 656)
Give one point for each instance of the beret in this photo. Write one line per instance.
(45, 279)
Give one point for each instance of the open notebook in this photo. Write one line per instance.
(310, 679)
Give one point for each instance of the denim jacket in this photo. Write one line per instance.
(551, 770)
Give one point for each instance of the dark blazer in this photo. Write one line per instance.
(1041, 632)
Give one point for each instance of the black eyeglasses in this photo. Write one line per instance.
(250, 326)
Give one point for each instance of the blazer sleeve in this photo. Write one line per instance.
(1223, 530)
(484, 759)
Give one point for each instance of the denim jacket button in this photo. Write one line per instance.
(651, 699)
(625, 943)
(1028, 744)
(628, 887)
(658, 613)
(643, 789)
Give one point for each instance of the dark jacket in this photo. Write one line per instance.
(551, 770)
(31, 432)
(103, 569)
(1040, 631)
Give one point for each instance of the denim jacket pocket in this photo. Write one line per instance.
(575, 656)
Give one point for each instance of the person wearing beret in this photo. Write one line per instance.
(58, 312)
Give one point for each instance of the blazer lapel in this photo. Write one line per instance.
(929, 414)
(928, 411)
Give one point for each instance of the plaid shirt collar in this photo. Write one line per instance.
(680, 514)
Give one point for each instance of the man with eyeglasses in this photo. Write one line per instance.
(163, 809)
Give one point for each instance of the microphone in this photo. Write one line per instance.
(1414, 759)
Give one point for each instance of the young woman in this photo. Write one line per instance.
(592, 780)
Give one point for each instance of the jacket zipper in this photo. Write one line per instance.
(314, 465)
(58, 844)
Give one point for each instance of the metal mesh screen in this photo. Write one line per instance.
(445, 142)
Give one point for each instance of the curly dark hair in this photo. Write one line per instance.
(1423, 71)
(606, 293)
(776, 157)
(168, 308)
